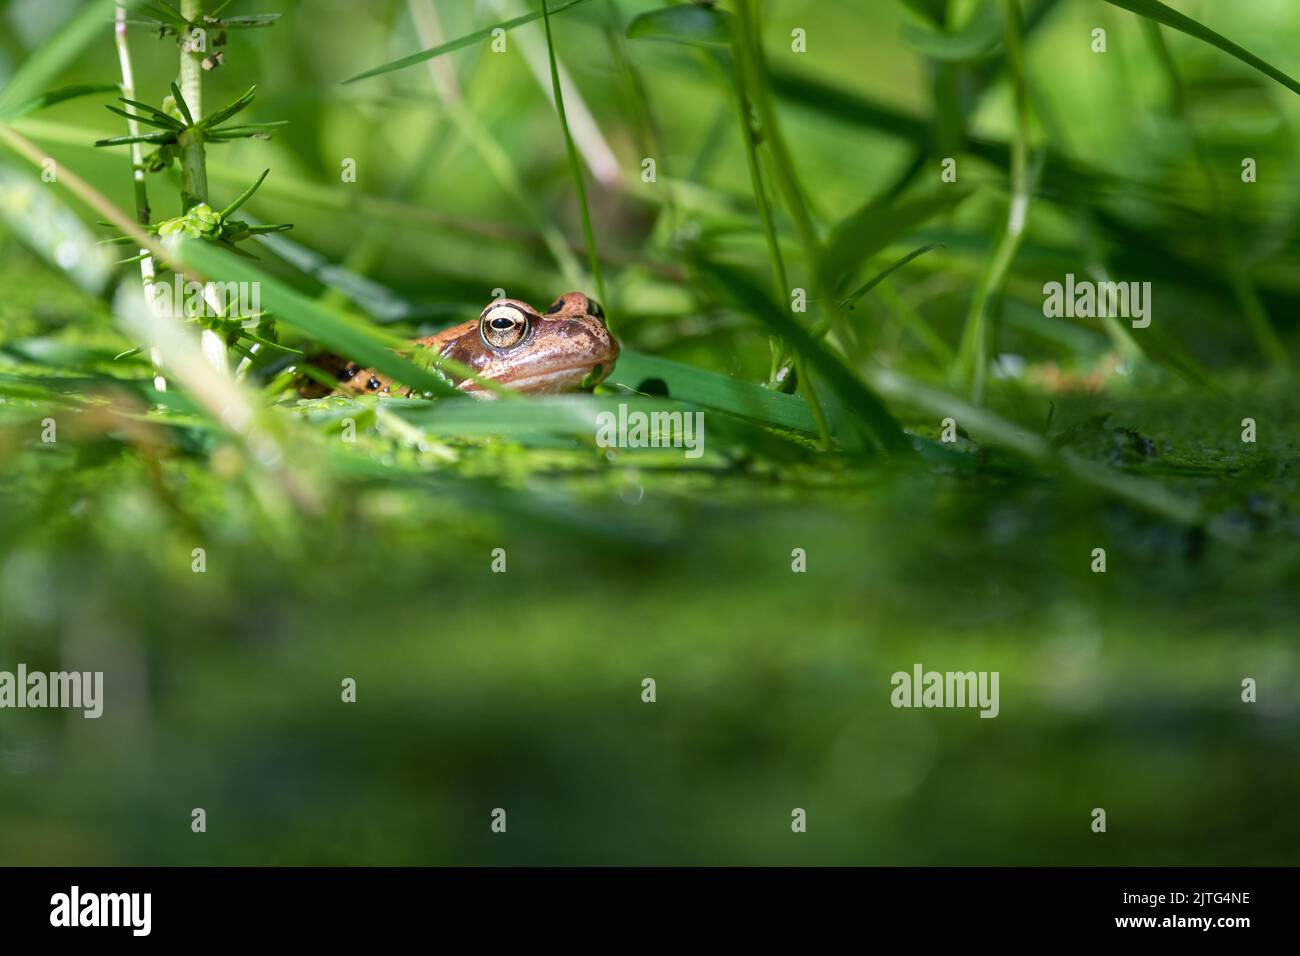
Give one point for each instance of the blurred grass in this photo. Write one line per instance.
(371, 559)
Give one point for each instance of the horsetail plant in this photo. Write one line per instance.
(179, 132)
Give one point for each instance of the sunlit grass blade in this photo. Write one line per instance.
(459, 43)
(1154, 10)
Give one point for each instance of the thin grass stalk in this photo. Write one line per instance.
(593, 260)
(979, 332)
(751, 88)
(142, 213)
(765, 217)
(779, 275)
(787, 180)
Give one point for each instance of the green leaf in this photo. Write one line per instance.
(153, 111)
(252, 20)
(875, 226)
(973, 41)
(245, 195)
(934, 12)
(262, 130)
(146, 119)
(65, 93)
(167, 13)
(56, 53)
(1154, 10)
(163, 136)
(332, 329)
(468, 39)
(223, 114)
(848, 301)
(684, 24)
(713, 390)
(182, 105)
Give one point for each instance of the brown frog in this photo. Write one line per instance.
(566, 348)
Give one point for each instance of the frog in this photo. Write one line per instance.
(564, 349)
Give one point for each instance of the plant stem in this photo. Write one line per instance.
(592, 259)
(750, 50)
(747, 133)
(194, 167)
(979, 332)
(147, 272)
(750, 75)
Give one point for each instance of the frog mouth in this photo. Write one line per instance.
(564, 378)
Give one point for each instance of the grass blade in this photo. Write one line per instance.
(848, 301)
(459, 43)
(593, 261)
(640, 372)
(684, 24)
(1154, 10)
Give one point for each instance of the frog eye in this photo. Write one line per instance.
(503, 327)
(593, 308)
